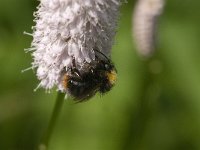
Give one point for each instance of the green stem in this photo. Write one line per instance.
(56, 111)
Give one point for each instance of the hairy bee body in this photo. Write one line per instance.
(96, 76)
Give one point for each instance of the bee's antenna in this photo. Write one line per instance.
(102, 54)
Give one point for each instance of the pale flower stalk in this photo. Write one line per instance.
(145, 22)
(71, 28)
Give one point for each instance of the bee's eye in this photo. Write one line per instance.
(106, 66)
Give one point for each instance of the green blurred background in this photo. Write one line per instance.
(154, 106)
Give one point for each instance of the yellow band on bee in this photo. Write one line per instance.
(112, 76)
(65, 81)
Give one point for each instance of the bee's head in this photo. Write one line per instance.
(109, 77)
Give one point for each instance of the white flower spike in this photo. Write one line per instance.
(145, 21)
(71, 30)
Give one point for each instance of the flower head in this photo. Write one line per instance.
(68, 30)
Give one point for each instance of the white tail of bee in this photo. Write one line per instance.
(145, 17)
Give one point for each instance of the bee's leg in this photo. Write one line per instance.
(74, 69)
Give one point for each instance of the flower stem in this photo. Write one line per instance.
(56, 111)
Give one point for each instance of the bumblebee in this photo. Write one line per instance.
(97, 76)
